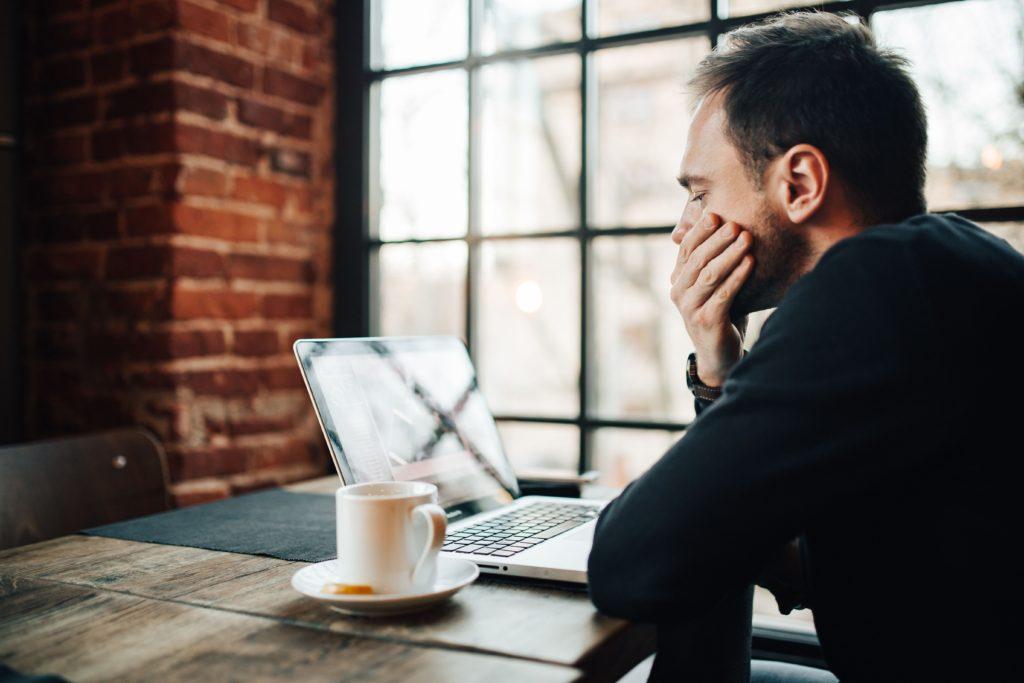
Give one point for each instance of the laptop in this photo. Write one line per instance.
(409, 408)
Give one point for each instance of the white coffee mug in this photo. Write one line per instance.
(389, 535)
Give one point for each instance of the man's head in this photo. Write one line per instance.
(804, 129)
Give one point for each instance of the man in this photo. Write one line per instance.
(864, 458)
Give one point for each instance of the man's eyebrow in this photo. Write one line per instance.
(688, 180)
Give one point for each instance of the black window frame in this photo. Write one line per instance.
(354, 248)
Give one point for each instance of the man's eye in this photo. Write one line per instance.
(699, 197)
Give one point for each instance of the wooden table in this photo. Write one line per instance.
(92, 608)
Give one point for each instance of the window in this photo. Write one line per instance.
(519, 180)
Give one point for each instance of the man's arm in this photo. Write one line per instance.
(792, 435)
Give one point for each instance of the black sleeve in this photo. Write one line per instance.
(790, 436)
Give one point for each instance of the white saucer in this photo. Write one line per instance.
(453, 573)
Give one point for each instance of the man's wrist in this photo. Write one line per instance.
(701, 390)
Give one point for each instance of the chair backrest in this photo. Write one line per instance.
(55, 487)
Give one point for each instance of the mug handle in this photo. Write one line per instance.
(437, 526)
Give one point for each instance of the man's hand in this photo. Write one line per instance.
(713, 264)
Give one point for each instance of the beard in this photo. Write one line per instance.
(781, 252)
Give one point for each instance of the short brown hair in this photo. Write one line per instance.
(816, 78)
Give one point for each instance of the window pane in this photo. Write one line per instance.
(528, 325)
(626, 16)
(743, 8)
(530, 145)
(640, 343)
(971, 88)
(422, 172)
(419, 32)
(642, 118)
(1011, 232)
(622, 455)
(422, 289)
(512, 24)
(541, 445)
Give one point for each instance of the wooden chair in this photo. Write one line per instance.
(55, 487)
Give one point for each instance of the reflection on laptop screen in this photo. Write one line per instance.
(409, 409)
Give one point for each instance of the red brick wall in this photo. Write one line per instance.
(178, 194)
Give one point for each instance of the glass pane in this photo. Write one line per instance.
(641, 128)
(766, 613)
(419, 32)
(541, 445)
(626, 16)
(423, 130)
(422, 289)
(640, 343)
(743, 8)
(971, 88)
(528, 326)
(622, 455)
(512, 24)
(1011, 232)
(530, 145)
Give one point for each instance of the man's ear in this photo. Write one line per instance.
(802, 179)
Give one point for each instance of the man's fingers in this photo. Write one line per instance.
(702, 229)
(724, 238)
(721, 299)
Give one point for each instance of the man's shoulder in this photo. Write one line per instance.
(921, 243)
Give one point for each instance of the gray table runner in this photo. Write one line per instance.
(275, 523)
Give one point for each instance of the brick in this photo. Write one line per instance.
(264, 267)
(174, 344)
(243, 5)
(146, 303)
(190, 139)
(291, 162)
(255, 37)
(205, 462)
(148, 220)
(260, 191)
(151, 138)
(256, 343)
(287, 306)
(151, 57)
(60, 151)
(199, 491)
(65, 264)
(193, 220)
(141, 98)
(290, 452)
(282, 378)
(292, 15)
(72, 111)
(209, 103)
(70, 35)
(265, 117)
(115, 26)
(155, 16)
(203, 182)
(107, 67)
(70, 227)
(73, 188)
(62, 74)
(223, 382)
(200, 263)
(213, 304)
(139, 262)
(203, 21)
(291, 87)
(217, 65)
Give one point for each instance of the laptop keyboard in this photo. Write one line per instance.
(519, 530)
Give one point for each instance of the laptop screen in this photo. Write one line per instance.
(409, 409)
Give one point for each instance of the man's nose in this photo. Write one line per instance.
(683, 225)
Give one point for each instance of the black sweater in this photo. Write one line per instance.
(880, 414)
